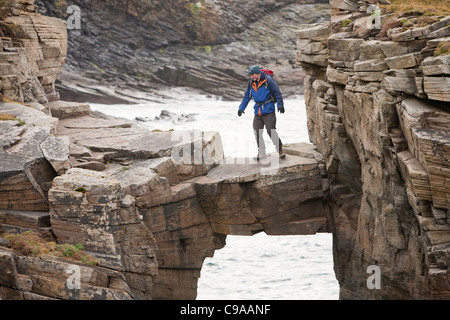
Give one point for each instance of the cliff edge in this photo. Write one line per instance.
(377, 97)
(94, 207)
(109, 210)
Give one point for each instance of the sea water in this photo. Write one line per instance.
(259, 267)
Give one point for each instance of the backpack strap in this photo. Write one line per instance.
(272, 99)
(267, 87)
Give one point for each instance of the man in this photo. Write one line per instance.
(265, 92)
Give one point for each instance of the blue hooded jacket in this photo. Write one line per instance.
(261, 91)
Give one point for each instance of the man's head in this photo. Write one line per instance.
(255, 73)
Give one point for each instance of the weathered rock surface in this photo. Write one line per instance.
(93, 209)
(378, 112)
(56, 151)
(171, 176)
(204, 45)
(21, 221)
(24, 169)
(46, 277)
(151, 206)
(247, 198)
(32, 54)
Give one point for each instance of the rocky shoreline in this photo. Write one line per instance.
(205, 46)
(117, 190)
(147, 216)
(149, 207)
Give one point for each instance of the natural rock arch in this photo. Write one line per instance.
(377, 113)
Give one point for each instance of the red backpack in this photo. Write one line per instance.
(268, 72)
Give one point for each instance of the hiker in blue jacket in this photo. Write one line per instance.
(265, 92)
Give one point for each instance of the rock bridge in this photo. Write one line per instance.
(141, 202)
(377, 104)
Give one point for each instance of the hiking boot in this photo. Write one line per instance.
(282, 154)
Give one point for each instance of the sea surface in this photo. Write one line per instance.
(260, 267)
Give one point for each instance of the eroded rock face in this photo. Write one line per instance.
(46, 277)
(25, 173)
(378, 111)
(186, 194)
(149, 206)
(247, 198)
(140, 202)
(205, 45)
(32, 53)
(91, 208)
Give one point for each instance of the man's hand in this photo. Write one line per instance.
(281, 110)
(240, 113)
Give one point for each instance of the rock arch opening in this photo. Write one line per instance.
(263, 267)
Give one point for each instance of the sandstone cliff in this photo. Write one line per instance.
(148, 217)
(378, 110)
(32, 51)
(149, 207)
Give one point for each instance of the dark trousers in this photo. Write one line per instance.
(270, 122)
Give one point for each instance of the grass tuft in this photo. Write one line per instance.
(35, 244)
(404, 8)
(442, 49)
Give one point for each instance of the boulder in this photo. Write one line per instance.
(371, 65)
(345, 50)
(312, 44)
(56, 151)
(64, 109)
(145, 185)
(403, 61)
(437, 88)
(29, 70)
(436, 66)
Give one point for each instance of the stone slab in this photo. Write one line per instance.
(64, 109)
(26, 219)
(248, 170)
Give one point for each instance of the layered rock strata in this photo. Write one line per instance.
(149, 206)
(26, 175)
(32, 158)
(377, 107)
(45, 278)
(33, 49)
(203, 45)
(245, 198)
